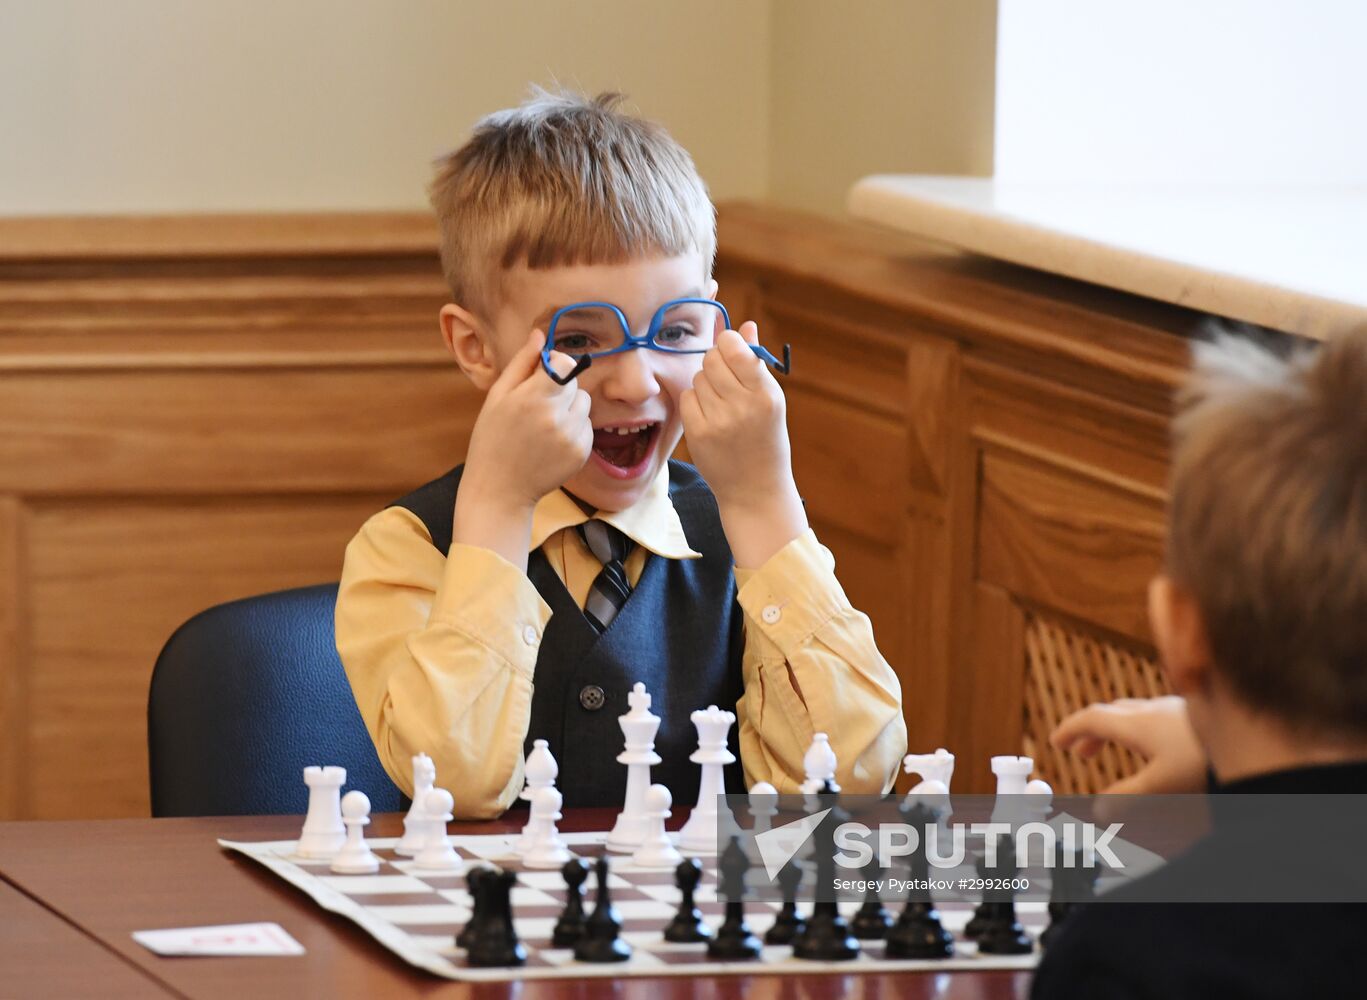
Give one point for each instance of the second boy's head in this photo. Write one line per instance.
(565, 200)
(1262, 616)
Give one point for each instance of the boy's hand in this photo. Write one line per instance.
(735, 421)
(531, 435)
(1157, 729)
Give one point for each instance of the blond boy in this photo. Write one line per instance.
(471, 613)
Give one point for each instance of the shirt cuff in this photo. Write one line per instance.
(487, 598)
(794, 594)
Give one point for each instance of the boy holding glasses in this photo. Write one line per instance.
(521, 595)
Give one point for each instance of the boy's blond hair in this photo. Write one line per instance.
(1268, 524)
(563, 179)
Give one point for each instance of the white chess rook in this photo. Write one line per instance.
(639, 727)
(355, 857)
(699, 834)
(655, 850)
(436, 853)
(323, 834)
(424, 777)
(1023, 800)
(540, 771)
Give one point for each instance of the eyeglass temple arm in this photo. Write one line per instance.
(574, 372)
(784, 366)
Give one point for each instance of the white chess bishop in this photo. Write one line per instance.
(819, 764)
(639, 727)
(699, 835)
(323, 834)
(540, 771)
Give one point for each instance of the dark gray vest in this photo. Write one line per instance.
(680, 633)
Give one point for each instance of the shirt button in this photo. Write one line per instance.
(771, 614)
(592, 697)
(529, 635)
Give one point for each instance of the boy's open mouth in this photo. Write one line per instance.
(625, 450)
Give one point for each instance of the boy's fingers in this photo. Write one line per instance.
(690, 409)
(733, 348)
(1095, 723)
(749, 331)
(718, 370)
(522, 364)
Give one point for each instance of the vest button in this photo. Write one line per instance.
(591, 697)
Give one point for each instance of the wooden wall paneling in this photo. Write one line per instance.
(111, 580)
(14, 663)
(1064, 543)
(988, 692)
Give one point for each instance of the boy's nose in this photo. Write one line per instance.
(630, 376)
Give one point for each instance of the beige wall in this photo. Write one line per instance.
(260, 105)
(878, 86)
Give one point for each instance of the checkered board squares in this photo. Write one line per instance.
(416, 914)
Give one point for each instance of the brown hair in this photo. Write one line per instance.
(1268, 523)
(562, 179)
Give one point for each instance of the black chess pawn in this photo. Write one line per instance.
(872, 919)
(495, 943)
(467, 932)
(1073, 885)
(789, 922)
(687, 927)
(570, 927)
(734, 942)
(826, 938)
(918, 932)
(600, 942)
(1001, 933)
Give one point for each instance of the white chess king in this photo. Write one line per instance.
(639, 727)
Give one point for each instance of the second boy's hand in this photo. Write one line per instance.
(531, 436)
(735, 422)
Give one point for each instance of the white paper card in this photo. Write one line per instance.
(224, 939)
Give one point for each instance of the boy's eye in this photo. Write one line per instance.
(573, 343)
(676, 335)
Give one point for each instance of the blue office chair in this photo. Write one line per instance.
(244, 696)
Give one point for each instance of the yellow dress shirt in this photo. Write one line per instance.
(441, 653)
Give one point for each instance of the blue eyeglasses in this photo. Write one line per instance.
(588, 330)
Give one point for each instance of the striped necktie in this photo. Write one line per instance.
(610, 588)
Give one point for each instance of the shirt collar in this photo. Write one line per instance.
(651, 522)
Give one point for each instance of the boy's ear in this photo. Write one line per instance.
(460, 331)
(710, 289)
(1179, 629)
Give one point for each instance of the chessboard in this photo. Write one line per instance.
(416, 914)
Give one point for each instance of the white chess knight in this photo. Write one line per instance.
(424, 777)
(699, 834)
(540, 771)
(639, 727)
(323, 834)
(935, 770)
(655, 849)
(355, 857)
(436, 853)
(547, 849)
(819, 764)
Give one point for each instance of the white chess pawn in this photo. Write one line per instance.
(699, 835)
(355, 857)
(323, 834)
(1039, 796)
(548, 850)
(540, 771)
(424, 777)
(763, 807)
(436, 853)
(639, 727)
(819, 764)
(656, 850)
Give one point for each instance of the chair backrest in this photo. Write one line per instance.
(244, 696)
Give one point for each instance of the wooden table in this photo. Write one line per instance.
(73, 893)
